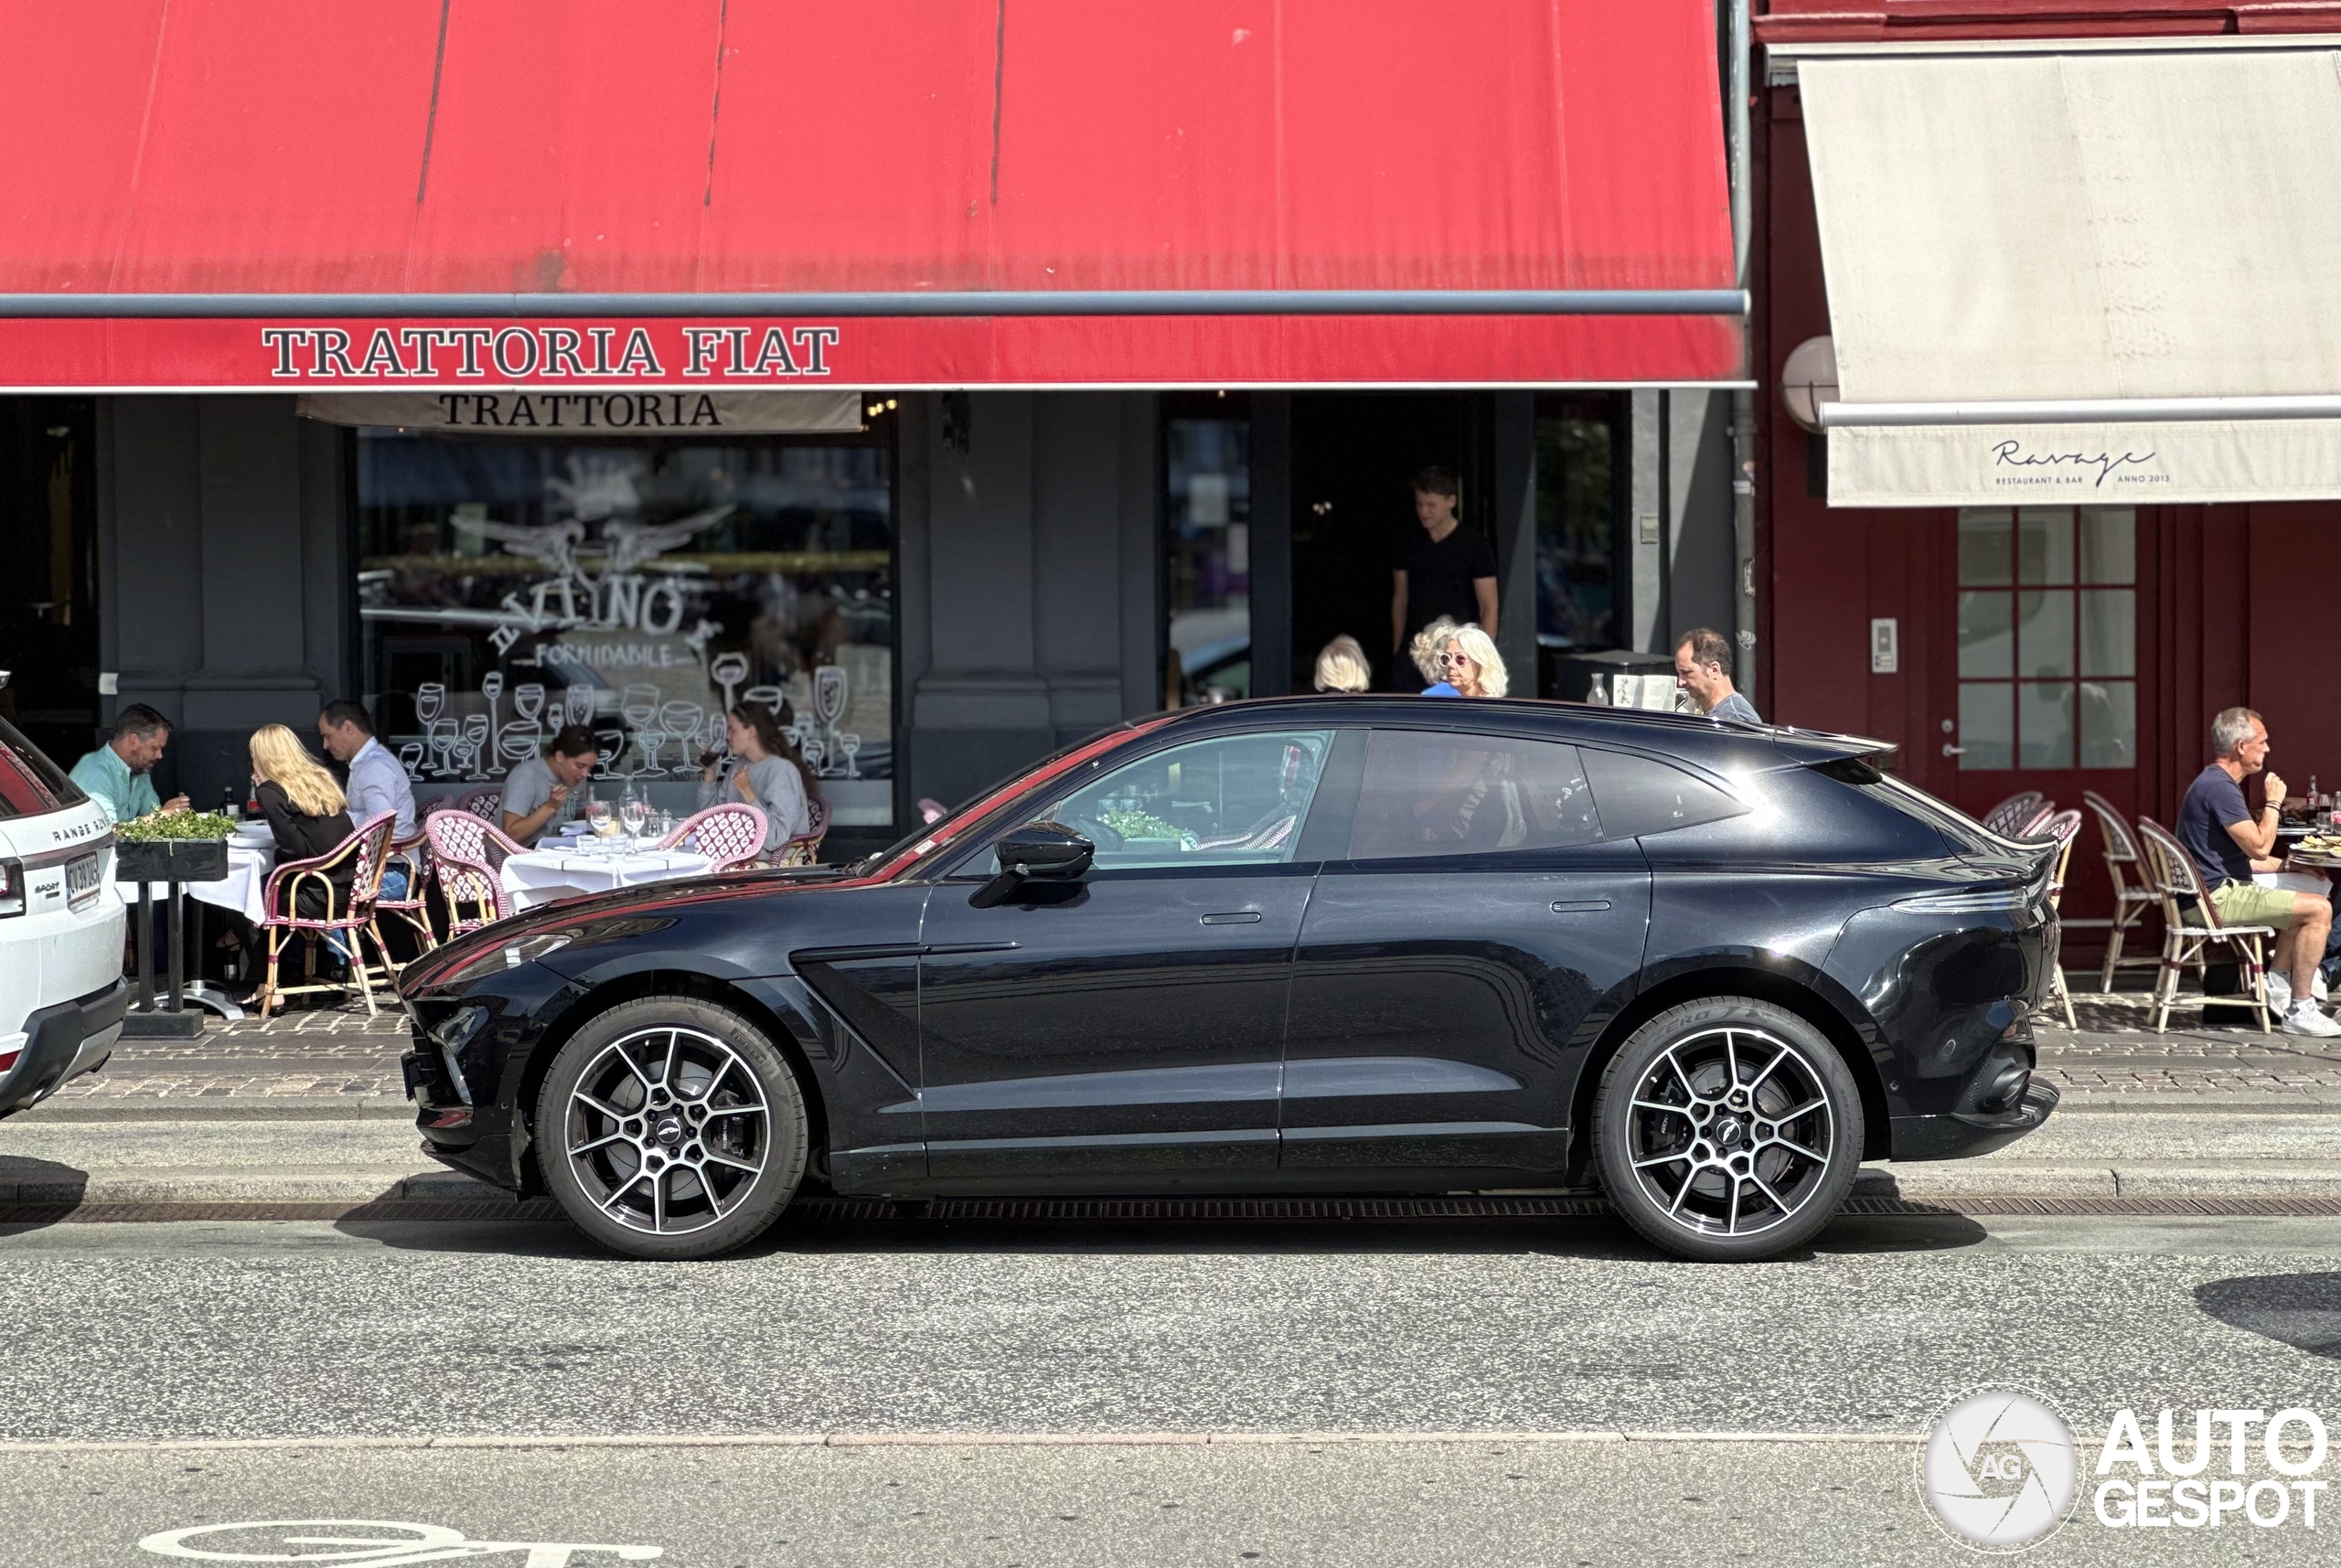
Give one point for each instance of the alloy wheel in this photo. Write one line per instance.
(668, 1130)
(1730, 1132)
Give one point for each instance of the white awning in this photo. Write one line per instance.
(2095, 276)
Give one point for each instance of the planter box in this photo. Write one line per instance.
(170, 859)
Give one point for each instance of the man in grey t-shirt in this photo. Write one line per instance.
(1702, 669)
(537, 792)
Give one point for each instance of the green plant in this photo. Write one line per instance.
(1132, 822)
(177, 824)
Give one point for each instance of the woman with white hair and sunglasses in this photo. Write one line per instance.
(1471, 665)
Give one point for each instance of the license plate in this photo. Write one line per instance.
(81, 882)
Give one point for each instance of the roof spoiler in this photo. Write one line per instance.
(1819, 748)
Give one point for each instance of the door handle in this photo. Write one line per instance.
(1235, 917)
(1579, 906)
(1950, 751)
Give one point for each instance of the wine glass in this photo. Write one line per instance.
(597, 818)
(848, 742)
(815, 753)
(638, 705)
(580, 700)
(443, 736)
(520, 739)
(634, 815)
(608, 744)
(410, 758)
(491, 686)
(680, 720)
(474, 745)
(828, 694)
(430, 701)
(727, 671)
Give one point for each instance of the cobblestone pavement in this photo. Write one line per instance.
(2113, 1057)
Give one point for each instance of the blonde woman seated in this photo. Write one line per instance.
(1428, 650)
(1471, 665)
(309, 816)
(1342, 666)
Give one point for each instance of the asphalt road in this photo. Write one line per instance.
(308, 1331)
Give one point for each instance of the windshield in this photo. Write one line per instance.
(946, 829)
(30, 784)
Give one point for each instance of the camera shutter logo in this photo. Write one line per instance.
(1999, 1469)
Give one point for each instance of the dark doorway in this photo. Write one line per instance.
(49, 607)
(1354, 456)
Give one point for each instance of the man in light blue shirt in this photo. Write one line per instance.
(116, 775)
(377, 783)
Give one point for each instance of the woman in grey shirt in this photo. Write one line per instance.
(766, 773)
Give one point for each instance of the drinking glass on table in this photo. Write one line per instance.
(597, 819)
(635, 814)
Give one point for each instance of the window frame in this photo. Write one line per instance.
(2077, 590)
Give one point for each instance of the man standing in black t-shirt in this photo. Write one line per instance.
(1449, 570)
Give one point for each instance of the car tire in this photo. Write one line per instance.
(1727, 1130)
(670, 1127)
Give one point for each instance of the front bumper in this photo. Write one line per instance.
(1964, 1135)
(61, 1042)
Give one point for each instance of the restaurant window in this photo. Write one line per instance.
(1578, 473)
(509, 587)
(1208, 581)
(2048, 637)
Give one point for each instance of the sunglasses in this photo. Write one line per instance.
(1455, 658)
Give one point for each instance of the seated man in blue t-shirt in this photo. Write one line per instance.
(2228, 843)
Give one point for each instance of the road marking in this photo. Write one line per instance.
(414, 1543)
(934, 1440)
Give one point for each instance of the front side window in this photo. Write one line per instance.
(1233, 800)
(1433, 793)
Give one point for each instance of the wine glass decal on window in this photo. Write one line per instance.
(829, 703)
(680, 720)
(728, 671)
(815, 753)
(580, 698)
(609, 743)
(430, 701)
(638, 706)
(474, 747)
(491, 686)
(525, 735)
(848, 742)
(411, 759)
(771, 696)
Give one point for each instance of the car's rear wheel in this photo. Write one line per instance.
(669, 1127)
(1728, 1129)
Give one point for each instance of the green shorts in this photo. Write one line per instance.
(2248, 903)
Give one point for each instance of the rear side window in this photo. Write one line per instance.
(30, 784)
(1436, 793)
(1639, 796)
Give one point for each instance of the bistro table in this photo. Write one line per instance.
(540, 877)
(251, 855)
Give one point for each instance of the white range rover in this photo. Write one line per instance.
(62, 994)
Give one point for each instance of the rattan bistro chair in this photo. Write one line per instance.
(344, 914)
(2133, 892)
(2065, 827)
(413, 854)
(731, 835)
(465, 854)
(2010, 816)
(2185, 941)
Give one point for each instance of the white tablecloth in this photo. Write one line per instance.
(547, 876)
(241, 890)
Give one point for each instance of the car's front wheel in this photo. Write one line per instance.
(669, 1127)
(1728, 1129)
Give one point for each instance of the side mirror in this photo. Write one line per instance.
(1038, 851)
(1045, 851)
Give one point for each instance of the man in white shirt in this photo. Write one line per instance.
(377, 783)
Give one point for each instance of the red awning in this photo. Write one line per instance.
(253, 193)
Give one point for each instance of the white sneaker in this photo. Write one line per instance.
(2305, 1019)
(2279, 993)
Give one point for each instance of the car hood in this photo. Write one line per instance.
(602, 917)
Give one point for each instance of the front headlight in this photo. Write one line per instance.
(507, 955)
(454, 1032)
